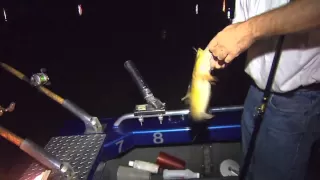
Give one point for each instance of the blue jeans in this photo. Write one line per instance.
(290, 126)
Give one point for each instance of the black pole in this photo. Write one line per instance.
(142, 85)
(261, 110)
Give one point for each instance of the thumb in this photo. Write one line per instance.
(213, 43)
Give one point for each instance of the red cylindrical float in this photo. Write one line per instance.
(167, 161)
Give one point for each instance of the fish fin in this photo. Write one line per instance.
(207, 116)
(214, 80)
(199, 53)
(195, 50)
(210, 78)
(186, 98)
(201, 116)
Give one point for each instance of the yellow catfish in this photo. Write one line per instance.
(199, 93)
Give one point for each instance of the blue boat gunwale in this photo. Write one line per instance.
(126, 132)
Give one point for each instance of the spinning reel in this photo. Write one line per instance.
(40, 79)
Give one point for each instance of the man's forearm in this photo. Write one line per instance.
(297, 16)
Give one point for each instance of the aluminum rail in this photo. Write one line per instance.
(174, 113)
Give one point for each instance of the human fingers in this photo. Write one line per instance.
(229, 58)
(217, 50)
(220, 52)
(216, 63)
(213, 43)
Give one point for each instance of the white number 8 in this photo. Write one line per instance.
(157, 138)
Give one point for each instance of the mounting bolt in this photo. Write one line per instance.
(160, 117)
(141, 120)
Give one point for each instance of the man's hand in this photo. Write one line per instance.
(236, 38)
(230, 43)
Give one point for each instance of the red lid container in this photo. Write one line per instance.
(167, 161)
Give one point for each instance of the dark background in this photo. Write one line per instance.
(84, 56)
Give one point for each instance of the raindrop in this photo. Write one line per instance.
(80, 9)
(163, 34)
(5, 14)
(197, 9)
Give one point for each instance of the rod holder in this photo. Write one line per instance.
(92, 124)
(47, 159)
(143, 87)
(39, 154)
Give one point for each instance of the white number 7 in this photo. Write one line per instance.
(120, 143)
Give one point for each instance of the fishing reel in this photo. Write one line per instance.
(10, 108)
(40, 79)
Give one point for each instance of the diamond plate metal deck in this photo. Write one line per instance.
(80, 151)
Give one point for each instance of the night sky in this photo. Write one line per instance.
(84, 57)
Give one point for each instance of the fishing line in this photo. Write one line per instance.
(261, 110)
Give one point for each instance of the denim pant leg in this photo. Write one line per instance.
(290, 126)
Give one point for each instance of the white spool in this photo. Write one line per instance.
(226, 165)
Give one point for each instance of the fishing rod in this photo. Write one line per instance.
(261, 110)
(38, 153)
(35, 150)
(92, 124)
